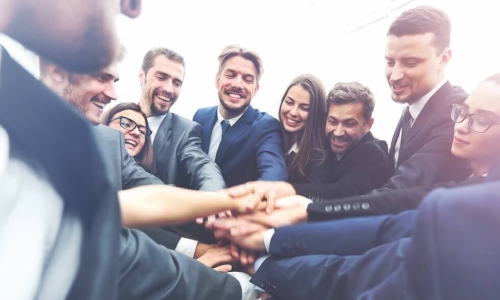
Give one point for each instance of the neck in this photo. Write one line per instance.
(145, 108)
(227, 115)
(480, 167)
(6, 13)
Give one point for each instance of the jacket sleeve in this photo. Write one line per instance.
(150, 271)
(269, 153)
(203, 172)
(352, 236)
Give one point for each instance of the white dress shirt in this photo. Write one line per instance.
(154, 124)
(415, 110)
(216, 137)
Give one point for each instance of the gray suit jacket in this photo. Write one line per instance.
(126, 172)
(179, 158)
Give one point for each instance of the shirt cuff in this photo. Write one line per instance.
(247, 288)
(258, 262)
(186, 246)
(268, 235)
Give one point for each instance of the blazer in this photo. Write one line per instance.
(179, 158)
(315, 172)
(46, 131)
(379, 202)
(426, 157)
(250, 150)
(451, 254)
(365, 167)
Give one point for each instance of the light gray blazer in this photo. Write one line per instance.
(179, 158)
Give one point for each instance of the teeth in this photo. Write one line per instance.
(130, 142)
(163, 98)
(292, 121)
(100, 104)
(234, 96)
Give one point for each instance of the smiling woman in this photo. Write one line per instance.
(132, 122)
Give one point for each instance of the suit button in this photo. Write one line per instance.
(328, 208)
(355, 206)
(365, 206)
(347, 207)
(337, 208)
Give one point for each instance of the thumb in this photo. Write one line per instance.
(223, 268)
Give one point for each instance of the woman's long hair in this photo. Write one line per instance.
(145, 157)
(311, 141)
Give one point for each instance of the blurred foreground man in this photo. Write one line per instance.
(59, 218)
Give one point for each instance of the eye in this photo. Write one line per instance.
(177, 83)
(125, 123)
(389, 63)
(304, 108)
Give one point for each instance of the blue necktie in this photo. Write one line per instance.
(225, 126)
(405, 126)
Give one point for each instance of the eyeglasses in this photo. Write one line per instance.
(479, 123)
(130, 125)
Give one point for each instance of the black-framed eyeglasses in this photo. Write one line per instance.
(479, 123)
(130, 125)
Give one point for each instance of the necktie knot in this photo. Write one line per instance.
(225, 126)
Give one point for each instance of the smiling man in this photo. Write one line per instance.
(245, 143)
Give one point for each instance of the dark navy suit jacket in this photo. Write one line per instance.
(250, 150)
(451, 252)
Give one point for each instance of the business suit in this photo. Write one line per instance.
(179, 159)
(452, 254)
(364, 168)
(47, 132)
(250, 150)
(426, 157)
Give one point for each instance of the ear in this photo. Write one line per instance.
(131, 8)
(256, 89)
(445, 57)
(57, 74)
(217, 78)
(368, 126)
(141, 77)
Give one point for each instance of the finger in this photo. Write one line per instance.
(249, 228)
(235, 253)
(255, 199)
(223, 268)
(271, 201)
(251, 257)
(240, 190)
(221, 234)
(244, 257)
(200, 221)
(259, 218)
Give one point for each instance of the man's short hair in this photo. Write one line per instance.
(495, 78)
(236, 50)
(150, 56)
(421, 20)
(352, 92)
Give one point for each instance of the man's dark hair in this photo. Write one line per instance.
(352, 92)
(150, 56)
(421, 20)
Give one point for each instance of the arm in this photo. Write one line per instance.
(269, 153)
(203, 173)
(165, 205)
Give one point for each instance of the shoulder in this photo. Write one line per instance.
(205, 111)
(265, 120)
(372, 146)
(184, 125)
(107, 133)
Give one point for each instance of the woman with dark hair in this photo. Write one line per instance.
(133, 123)
(302, 114)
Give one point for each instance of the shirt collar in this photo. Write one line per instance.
(231, 121)
(417, 107)
(294, 148)
(154, 124)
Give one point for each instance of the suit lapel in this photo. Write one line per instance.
(395, 138)
(164, 132)
(208, 126)
(242, 125)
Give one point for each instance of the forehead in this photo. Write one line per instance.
(131, 114)
(346, 111)
(112, 70)
(240, 65)
(486, 96)
(299, 94)
(165, 65)
(418, 45)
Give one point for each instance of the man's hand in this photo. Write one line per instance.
(216, 256)
(252, 240)
(260, 190)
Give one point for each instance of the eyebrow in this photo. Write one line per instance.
(488, 113)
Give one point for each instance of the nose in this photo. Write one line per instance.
(339, 130)
(463, 127)
(110, 91)
(135, 132)
(293, 111)
(168, 87)
(397, 72)
(237, 82)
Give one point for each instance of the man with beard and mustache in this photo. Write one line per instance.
(60, 235)
(178, 157)
(245, 143)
